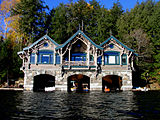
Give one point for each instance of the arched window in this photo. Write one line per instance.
(45, 57)
(111, 58)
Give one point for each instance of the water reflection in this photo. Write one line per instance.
(93, 105)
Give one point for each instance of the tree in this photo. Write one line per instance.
(5, 15)
(155, 37)
(9, 61)
(116, 12)
(32, 13)
(134, 31)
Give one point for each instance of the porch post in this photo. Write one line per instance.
(69, 57)
(88, 47)
(120, 59)
(36, 56)
(61, 56)
(103, 58)
(95, 58)
(54, 56)
(24, 62)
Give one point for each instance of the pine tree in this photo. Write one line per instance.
(32, 13)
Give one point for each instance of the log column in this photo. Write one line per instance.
(88, 48)
(69, 56)
(61, 56)
(95, 58)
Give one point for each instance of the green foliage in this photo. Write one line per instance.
(93, 19)
(10, 62)
(33, 17)
(135, 29)
(138, 29)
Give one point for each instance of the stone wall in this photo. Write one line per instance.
(61, 81)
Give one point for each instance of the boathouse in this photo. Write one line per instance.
(78, 63)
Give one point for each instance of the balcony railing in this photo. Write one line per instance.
(78, 63)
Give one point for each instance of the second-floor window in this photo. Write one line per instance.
(78, 57)
(124, 59)
(57, 59)
(32, 58)
(111, 58)
(45, 57)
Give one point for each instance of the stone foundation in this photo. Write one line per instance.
(61, 81)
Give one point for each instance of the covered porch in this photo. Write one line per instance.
(79, 52)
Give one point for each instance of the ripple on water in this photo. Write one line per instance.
(90, 106)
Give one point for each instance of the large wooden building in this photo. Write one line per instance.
(78, 62)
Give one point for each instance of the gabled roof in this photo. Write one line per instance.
(71, 38)
(112, 37)
(45, 36)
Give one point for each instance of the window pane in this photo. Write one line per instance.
(72, 58)
(51, 59)
(39, 59)
(117, 59)
(45, 58)
(112, 60)
(105, 60)
(124, 60)
(57, 59)
(99, 60)
(32, 58)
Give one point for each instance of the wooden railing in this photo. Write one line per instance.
(78, 63)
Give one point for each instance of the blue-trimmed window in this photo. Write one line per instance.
(99, 60)
(32, 58)
(124, 59)
(111, 58)
(58, 59)
(45, 57)
(45, 44)
(91, 58)
(78, 57)
(111, 45)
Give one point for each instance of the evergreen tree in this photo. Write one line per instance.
(32, 13)
(134, 31)
(154, 33)
(10, 62)
(116, 12)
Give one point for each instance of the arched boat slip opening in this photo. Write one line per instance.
(113, 82)
(43, 81)
(78, 83)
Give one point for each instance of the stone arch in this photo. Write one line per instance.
(42, 81)
(112, 73)
(83, 73)
(78, 83)
(112, 81)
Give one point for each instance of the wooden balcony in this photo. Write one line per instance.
(78, 65)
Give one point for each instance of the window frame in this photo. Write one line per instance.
(32, 58)
(112, 53)
(124, 55)
(40, 55)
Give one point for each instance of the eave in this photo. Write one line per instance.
(112, 37)
(71, 38)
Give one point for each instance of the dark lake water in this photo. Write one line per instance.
(91, 106)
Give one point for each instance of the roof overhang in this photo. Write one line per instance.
(42, 38)
(112, 37)
(71, 38)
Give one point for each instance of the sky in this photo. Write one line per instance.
(126, 4)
